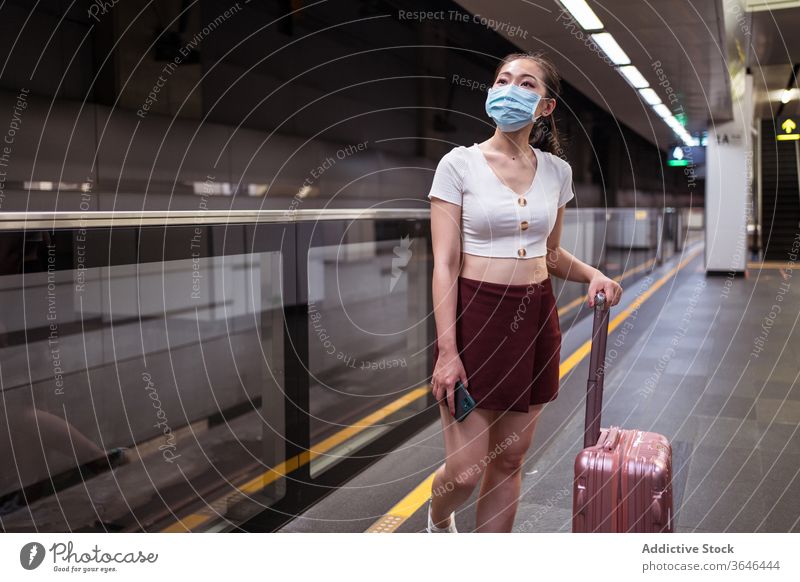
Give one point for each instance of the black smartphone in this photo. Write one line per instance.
(463, 401)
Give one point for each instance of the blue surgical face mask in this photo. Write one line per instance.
(511, 107)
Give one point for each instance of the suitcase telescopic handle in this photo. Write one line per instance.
(600, 300)
(594, 386)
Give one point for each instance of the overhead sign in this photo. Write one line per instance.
(788, 130)
(678, 157)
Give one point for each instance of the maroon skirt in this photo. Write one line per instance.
(509, 341)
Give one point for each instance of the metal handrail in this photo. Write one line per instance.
(96, 219)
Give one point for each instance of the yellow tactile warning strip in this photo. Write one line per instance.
(395, 517)
(619, 278)
(398, 514)
(257, 483)
(783, 265)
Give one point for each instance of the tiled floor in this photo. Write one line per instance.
(687, 369)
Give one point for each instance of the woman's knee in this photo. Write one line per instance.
(508, 462)
(461, 476)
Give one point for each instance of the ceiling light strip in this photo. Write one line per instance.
(609, 46)
(588, 20)
(580, 11)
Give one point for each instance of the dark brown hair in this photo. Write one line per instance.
(545, 133)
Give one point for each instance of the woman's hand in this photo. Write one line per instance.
(610, 288)
(448, 369)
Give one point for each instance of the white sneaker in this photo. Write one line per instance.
(451, 528)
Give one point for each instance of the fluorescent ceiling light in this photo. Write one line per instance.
(675, 128)
(771, 5)
(634, 77)
(662, 110)
(674, 124)
(581, 12)
(783, 95)
(650, 96)
(609, 46)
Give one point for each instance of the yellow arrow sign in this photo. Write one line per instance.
(788, 125)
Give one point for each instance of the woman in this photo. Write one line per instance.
(496, 216)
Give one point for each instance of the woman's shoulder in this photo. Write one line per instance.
(562, 166)
(457, 157)
(458, 151)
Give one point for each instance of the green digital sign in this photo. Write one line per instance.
(678, 157)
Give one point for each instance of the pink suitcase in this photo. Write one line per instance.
(623, 478)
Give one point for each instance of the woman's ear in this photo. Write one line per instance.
(550, 105)
(546, 106)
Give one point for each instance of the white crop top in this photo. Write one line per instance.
(495, 220)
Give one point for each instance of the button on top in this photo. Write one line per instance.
(521, 252)
(521, 201)
(524, 225)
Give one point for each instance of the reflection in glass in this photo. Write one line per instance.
(129, 390)
(368, 341)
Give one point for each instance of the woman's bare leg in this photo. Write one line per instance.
(502, 478)
(465, 445)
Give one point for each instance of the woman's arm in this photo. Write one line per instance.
(564, 265)
(446, 241)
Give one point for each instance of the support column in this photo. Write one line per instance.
(728, 201)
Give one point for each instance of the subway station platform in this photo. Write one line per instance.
(703, 360)
(216, 252)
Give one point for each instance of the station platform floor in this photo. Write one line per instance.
(712, 362)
